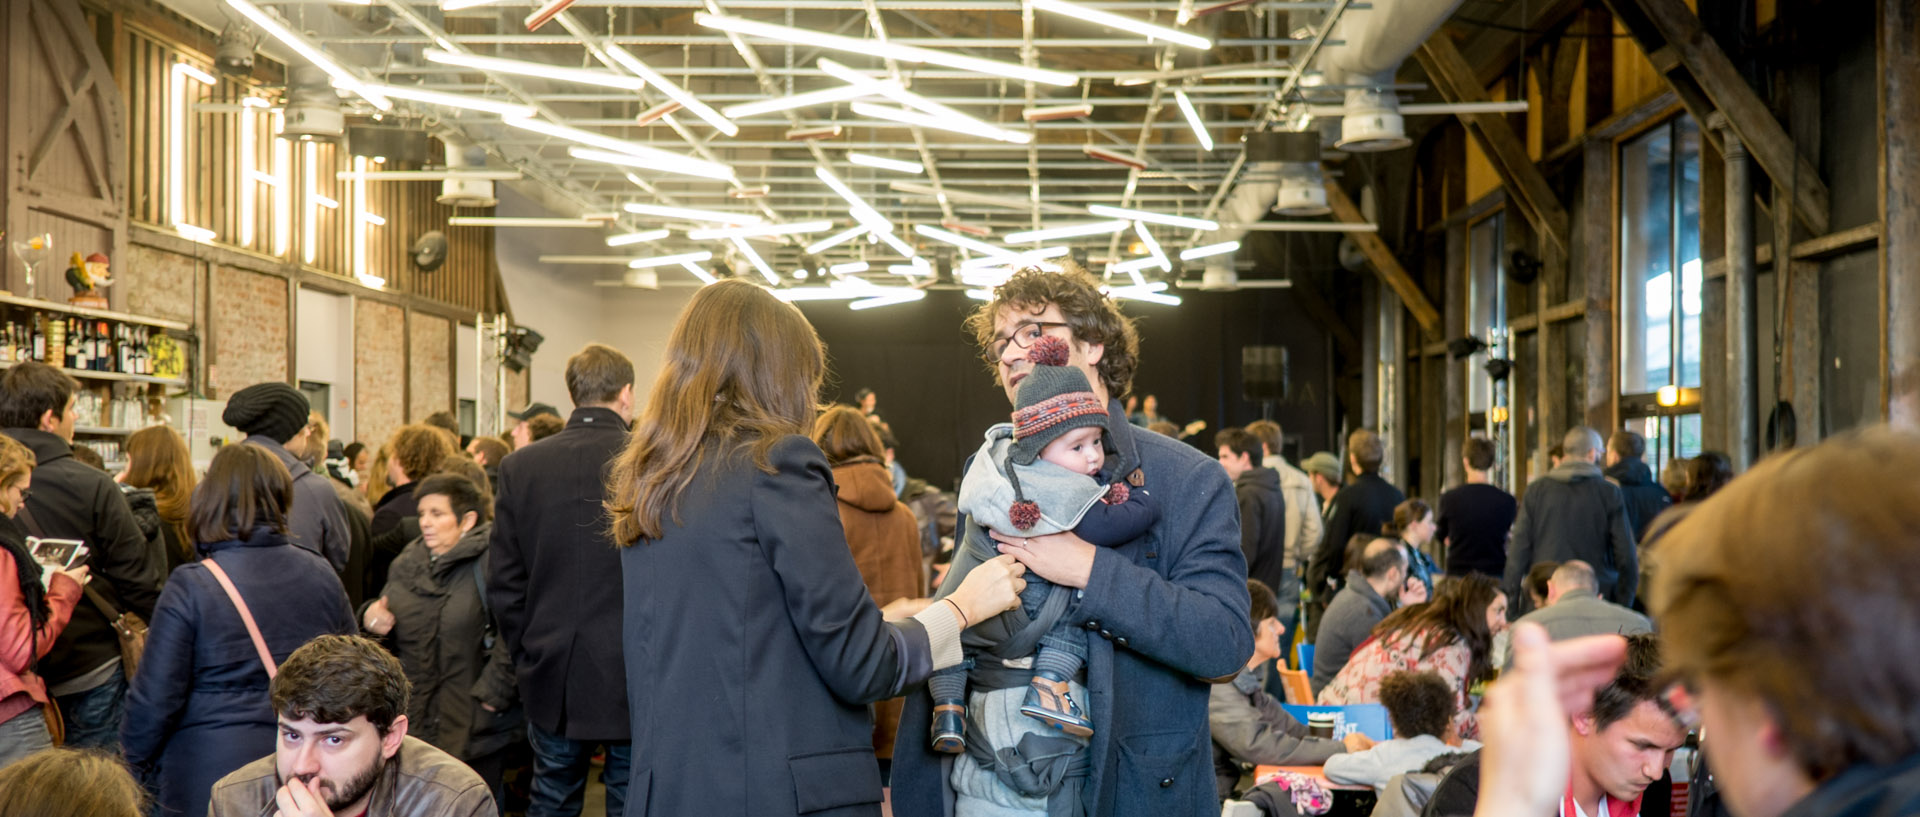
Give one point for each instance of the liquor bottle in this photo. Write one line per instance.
(103, 356)
(39, 342)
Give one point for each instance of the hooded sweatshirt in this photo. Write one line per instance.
(1645, 498)
(1574, 513)
(881, 532)
(1263, 531)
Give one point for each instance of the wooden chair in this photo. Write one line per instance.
(1299, 690)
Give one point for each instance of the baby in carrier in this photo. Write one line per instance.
(1045, 472)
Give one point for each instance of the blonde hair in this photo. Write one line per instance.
(16, 462)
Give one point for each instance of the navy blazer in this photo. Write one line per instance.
(198, 707)
(753, 648)
(1171, 610)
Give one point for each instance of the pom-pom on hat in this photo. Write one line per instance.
(1053, 399)
(274, 410)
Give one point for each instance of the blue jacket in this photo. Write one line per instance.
(1171, 609)
(198, 708)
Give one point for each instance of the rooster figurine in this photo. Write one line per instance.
(88, 276)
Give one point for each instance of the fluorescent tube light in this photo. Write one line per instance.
(836, 239)
(1067, 231)
(324, 201)
(425, 175)
(673, 90)
(1138, 293)
(786, 103)
(918, 267)
(958, 240)
(669, 260)
(1193, 119)
(653, 114)
(514, 221)
(195, 73)
(979, 294)
(907, 297)
(1152, 217)
(1136, 264)
(462, 101)
(193, 233)
(377, 221)
(1110, 20)
(848, 268)
(758, 262)
(809, 134)
(583, 76)
(884, 163)
(456, 5)
(816, 294)
(367, 280)
(1057, 112)
(903, 248)
(878, 48)
(1210, 250)
(1153, 247)
(1114, 156)
(760, 230)
(1030, 255)
(962, 196)
(656, 160)
(971, 127)
(861, 210)
(625, 239)
(342, 78)
(689, 214)
(704, 276)
(544, 13)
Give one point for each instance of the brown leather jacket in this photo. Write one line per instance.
(420, 781)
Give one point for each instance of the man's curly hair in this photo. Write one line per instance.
(1090, 314)
(1419, 703)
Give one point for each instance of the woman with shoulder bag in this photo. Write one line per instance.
(32, 615)
(198, 707)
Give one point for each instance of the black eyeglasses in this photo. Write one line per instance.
(1023, 336)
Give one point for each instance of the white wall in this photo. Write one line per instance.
(324, 353)
(466, 380)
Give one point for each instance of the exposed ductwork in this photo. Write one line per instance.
(1373, 43)
(464, 155)
(313, 109)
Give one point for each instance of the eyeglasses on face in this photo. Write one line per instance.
(1023, 336)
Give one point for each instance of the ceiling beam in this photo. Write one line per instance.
(1381, 257)
(1699, 71)
(1497, 46)
(1526, 186)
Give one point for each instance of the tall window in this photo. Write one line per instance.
(1660, 282)
(1486, 302)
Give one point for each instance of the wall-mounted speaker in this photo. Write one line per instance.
(1263, 372)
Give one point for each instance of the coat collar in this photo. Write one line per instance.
(295, 466)
(597, 417)
(1126, 447)
(259, 538)
(46, 445)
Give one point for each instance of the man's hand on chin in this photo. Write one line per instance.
(1061, 558)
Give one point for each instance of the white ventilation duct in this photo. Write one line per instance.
(1303, 187)
(313, 109)
(1373, 43)
(464, 155)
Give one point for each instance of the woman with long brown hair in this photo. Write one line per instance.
(157, 460)
(752, 647)
(1451, 635)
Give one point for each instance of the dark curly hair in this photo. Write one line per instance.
(1091, 316)
(336, 678)
(1419, 703)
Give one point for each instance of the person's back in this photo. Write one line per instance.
(1475, 522)
(1363, 506)
(1575, 513)
(1644, 496)
(1573, 610)
(1421, 707)
(1351, 617)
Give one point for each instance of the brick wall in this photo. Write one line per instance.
(427, 366)
(379, 370)
(157, 283)
(250, 335)
(518, 384)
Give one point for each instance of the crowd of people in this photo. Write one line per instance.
(731, 601)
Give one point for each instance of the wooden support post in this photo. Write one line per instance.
(1527, 189)
(1454, 432)
(1595, 276)
(1383, 262)
(1700, 73)
(1899, 132)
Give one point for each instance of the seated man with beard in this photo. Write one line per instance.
(343, 748)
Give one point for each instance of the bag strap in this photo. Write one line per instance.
(246, 616)
(99, 600)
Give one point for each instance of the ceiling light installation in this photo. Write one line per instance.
(878, 48)
(673, 90)
(1193, 120)
(966, 125)
(964, 242)
(848, 268)
(1221, 248)
(636, 238)
(884, 163)
(342, 78)
(583, 76)
(1114, 157)
(460, 101)
(880, 226)
(689, 214)
(1150, 293)
(906, 297)
(1141, 27)
(810, 134)
(758, 262)
(1153, 247)
(1152, 217)
(177, 150)
(511, 221)
(1057, 112)
(824, 96)
(655, 113)
(836, 239)
(623, 152)
(694, 270)
(760, 230)
(1067, 231)
(669, 260)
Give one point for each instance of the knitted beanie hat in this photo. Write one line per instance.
(1053, 399)
(274, 410)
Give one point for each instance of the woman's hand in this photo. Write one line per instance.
(1061, 558)
(990, 589)
(904, 608)
(80, 575)
(379, 619)
(1523, 722)
(1412, 591)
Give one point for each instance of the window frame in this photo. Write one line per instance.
(1634, 406)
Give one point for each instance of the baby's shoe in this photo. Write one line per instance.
(1049, 701)
(949, 727)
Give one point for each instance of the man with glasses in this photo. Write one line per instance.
(1161, 614)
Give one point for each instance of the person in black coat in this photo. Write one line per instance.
(751, 645)
(555, 585)
(198, 707)
(1574, 513)
(1363, 506)
(1645, 496)
(71, 500)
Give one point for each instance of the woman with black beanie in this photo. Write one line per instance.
(32, 615)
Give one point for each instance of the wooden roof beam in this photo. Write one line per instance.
(1699, 70)
(1526, 186)
(1381, 257)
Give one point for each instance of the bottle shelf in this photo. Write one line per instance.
(89, 312)
(88, 374)
(104, 431)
